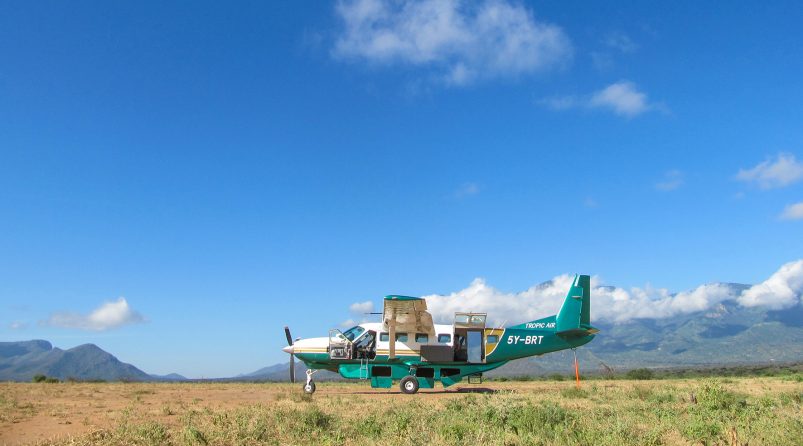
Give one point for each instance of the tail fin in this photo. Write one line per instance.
(575, 313)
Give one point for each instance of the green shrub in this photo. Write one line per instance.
(714, 397)
(640, 374)
(39, 378)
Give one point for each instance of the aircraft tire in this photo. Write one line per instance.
(409, 384)
(309, 389)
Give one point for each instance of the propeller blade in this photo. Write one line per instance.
(287, 333)
(292, 368)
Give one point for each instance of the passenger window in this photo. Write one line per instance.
(421, 338)
(401, 337)
(493, 339)
(383, 337)
(444, 338)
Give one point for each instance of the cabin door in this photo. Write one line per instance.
(474, 346)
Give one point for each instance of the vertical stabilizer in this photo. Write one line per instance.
(575, 313)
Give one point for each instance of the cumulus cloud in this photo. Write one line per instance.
(362, 307)
(18, 325)
(622, 98)
(781, 290)
(108, 316)
(782, 171)
(608, 303)
(793, 212)
(463, 41)
(358, 312)
(673, 179)
(613, 304)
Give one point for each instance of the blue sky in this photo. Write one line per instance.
(229, 169)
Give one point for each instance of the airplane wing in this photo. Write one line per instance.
(406, 314)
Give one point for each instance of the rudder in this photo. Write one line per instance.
(575, 313)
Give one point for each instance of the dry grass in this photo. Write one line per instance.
(758, 411)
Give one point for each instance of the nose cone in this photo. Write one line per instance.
(288, 349)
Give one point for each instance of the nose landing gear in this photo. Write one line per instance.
(309, 386)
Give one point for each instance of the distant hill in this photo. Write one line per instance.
(169, 377)
(20, 361)
(281, 372)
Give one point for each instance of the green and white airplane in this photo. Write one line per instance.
(409, 347)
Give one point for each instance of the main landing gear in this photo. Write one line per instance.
(409, 384)
(309, 386)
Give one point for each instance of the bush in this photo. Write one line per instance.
(39, 378)
(640, 374)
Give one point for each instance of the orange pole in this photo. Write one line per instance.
(576, 370)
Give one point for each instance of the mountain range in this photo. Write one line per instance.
(20, 361)
(728, 334)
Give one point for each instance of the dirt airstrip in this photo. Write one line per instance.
(33, 412)
(41, 412)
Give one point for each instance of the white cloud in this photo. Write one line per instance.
(108, 316)
(360, 308)
(358, 312)
(673, 179)
(623, 98)
(18, 325)
(608, 303)
(793, 212)
(613, 304)
(782, 171)
(463, 41)
(781, 290)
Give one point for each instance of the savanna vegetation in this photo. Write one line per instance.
(732, 411)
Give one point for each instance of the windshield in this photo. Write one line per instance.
(353, 332)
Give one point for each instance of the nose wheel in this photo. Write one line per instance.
(309, 386)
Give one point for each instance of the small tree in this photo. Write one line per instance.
(39, 378)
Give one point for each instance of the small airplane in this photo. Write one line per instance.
(409, 347)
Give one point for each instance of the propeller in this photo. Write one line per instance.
(292, 356)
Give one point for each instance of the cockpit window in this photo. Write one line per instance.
(353, 332)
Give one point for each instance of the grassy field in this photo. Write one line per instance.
(730, 411)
